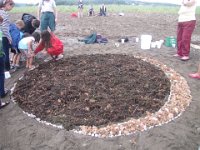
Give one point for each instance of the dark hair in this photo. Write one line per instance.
(4, 2)
(26, 34)
(36, 35)
(35, 23)
(46, 38)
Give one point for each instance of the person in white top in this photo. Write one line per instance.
(26, 48)
(186, 26)
(47, 14)
(80, 8)
(103, 10)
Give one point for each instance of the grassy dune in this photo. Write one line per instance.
(111, 8)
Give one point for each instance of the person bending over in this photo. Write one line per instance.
(31, 23)
(26, 48)
(51, 44)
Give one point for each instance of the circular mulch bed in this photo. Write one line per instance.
(92, 90)
(104, 95)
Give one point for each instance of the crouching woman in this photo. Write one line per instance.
(51, 44)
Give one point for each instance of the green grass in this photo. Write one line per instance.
(111, 8)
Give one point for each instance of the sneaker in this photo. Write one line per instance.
(194, 75)
(2, 105)
(177, 55)
(48, 59)
(185, 58)
(59, 57)
(12, 67)
(33, 67)
(6, 93)
(17, 67)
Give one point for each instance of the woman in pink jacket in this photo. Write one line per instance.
(186, 26)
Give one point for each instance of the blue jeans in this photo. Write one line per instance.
(47, 20)
(2, 76)
(5, 47)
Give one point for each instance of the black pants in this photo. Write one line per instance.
(6, 47)
(2, 76)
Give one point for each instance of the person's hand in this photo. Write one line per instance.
(1, 19)
(55, 20)
(44, 52)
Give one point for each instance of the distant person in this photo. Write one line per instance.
(47, 14)
(196, 75)
(186, 26)
(91, 11)
(51, 44)
(16, 34)
(103, 10)
(26, 48)
(80, 8)
(6, 6)
(31, 23)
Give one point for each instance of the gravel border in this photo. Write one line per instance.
(173, 108)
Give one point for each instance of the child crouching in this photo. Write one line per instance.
(26, 48)
(52, 45)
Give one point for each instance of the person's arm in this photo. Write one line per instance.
(39, 10)
(189, 3)
(55, 11)
(40, 47)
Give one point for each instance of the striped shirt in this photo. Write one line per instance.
(5, 24)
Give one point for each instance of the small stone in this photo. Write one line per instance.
(198, 130)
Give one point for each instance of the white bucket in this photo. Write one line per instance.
(122, 40)
(7, 75)
(146, 41)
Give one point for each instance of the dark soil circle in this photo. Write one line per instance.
(92, 90)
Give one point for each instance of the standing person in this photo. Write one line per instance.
(7, 5)
(31, 23)
(16, 34)
(91, 11)
(186, 26)
(47, 14)
(3, 92)
(103, 10)
(26, 48)
(80, 8)
(52, 45)
(195, 75)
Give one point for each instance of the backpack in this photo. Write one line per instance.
(90, 39)
(101, 39)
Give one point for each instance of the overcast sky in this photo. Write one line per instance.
(160, 1)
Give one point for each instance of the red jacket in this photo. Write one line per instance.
(56, 48)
